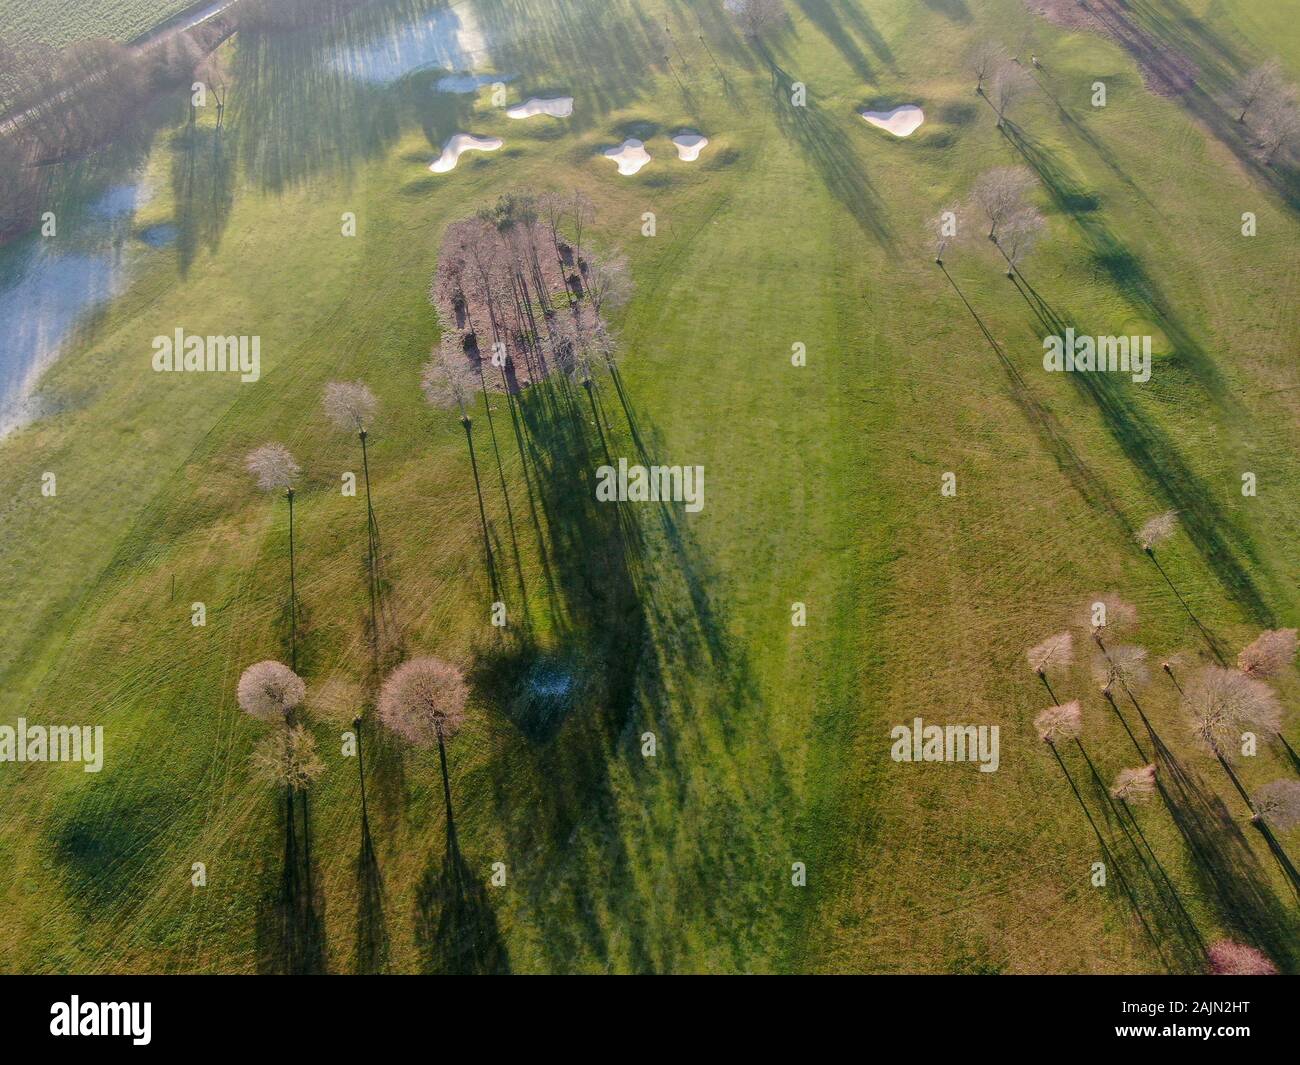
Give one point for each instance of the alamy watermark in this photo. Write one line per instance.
(651, 484)
(53, 743)
(920, 742)
(208, 354)
(1086, 354)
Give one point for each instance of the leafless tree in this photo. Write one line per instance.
(1109, 615)
(1278, 804)
(1000, 193)
(1157, 530)
(609, 282)
(1010, 82)
(1056, 723)
(276, 471)
(756, 18)
(1123, 664)
(423, 699)
(270, 691)
(1278, 124)
(984, 58)
(350, 405)
(287, 757)
(1053, 656)
(1135, 785)
(1260, 83)
(1020, 232)
(1268, 654)
(274, 467)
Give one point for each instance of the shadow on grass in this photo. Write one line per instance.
(290, 920)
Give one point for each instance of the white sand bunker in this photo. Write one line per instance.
(555, 106)
(901, 121)
(631, 156)
(463, 142)
(689, 146)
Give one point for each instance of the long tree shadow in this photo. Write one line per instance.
(202, 176)
(1211, 530)
(829, 148)
(1189, 62)
(372, 927)
(634, 626)
(455, 927)
(289, 925)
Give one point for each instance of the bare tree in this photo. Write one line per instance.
(984, 58)
(423, 701)
(1135, 785)
(1259, 83)
(1278, 124)
(1108, 615)
(1278, 804)
(287, 757)
(1157, 530)
(270, 691)
(1268, 654)
(1020, 232)
(276, 471)
(1053, 656)
(610, 282)
(1123, 664)
(1010, 82)
(1000, 193)
(351, 406)
(756, 18)
(943, 232)
(1057, 723)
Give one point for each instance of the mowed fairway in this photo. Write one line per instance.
(795, 226)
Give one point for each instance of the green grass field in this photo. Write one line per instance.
(823, 487)
(52, 22)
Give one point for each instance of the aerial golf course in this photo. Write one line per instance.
(673, 751)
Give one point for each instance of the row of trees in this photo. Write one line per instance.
(1219, 704)
(517, 275)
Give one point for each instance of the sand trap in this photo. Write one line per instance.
(901, 121)
(689, 146)
(631, 156)
(463, 142)
(555, 106)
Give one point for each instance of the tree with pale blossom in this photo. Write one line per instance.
(270, 691)
(1236, 959)
(423, 702)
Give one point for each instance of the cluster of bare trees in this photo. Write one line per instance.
(1220, 705)
(1268, 104)
(519, 296)
(1000, 197)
